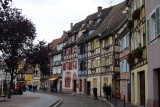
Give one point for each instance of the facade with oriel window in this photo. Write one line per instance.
(70, 72)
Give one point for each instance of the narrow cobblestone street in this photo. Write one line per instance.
(78, 101)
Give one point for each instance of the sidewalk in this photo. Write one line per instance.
(120, 103)
(29, 99)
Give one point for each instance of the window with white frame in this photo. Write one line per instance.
(107, 42)
(125, 42)
(92, 45)
(124, 67)
(73, 65)
(107, 61)
(153, 25)
(67, 66)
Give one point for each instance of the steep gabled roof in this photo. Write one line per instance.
(54, 43)
(106, 15)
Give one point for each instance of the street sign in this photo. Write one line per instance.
(124, 89)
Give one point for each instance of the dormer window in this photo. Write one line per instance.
(97, 21)
(91, 31)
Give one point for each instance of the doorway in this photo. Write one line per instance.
(88, 87)
(60, 86)
(80, 87)
(74, 89)
(142, 88)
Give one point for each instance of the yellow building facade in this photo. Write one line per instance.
(28, 79)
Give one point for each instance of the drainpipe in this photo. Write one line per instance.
(100, 66)
(130, 34)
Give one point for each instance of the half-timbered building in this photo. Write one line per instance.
(70, 72)
(57, 58)
(138, 56)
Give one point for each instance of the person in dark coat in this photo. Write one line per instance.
(104, 90)
(95, 92)
(109, 91)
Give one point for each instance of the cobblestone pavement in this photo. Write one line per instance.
(78, 101)
(29, 99)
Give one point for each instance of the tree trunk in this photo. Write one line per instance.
(11, 84)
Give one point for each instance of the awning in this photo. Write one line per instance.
(52, 79)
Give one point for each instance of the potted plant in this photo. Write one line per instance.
(130, 24)
(136, 14)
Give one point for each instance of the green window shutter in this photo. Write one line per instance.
(148, 30)
(96, 63)
(110, 60)
(103, 43)
(103, 61)
(157, 25)
(89, 46)
(110, 40)
(95, 44)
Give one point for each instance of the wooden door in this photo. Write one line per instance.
(80, 87)
(142, 88)
(74, 86)
(88, 87)
(60, 86)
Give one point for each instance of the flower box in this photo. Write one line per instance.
(136, 14)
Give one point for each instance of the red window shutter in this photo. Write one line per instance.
(70, 65)
(64, 52)
(75, 64)
(64, 66)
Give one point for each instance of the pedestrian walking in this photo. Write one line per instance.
(104, 90)
(109, 91)
(95, 93)
(34, 87)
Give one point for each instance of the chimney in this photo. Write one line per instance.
(99, 9)
(64, 32)
(71, 26)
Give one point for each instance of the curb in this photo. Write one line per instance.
(110, 104)
(56, 103)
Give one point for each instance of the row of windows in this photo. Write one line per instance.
(69, 50)
(70, 65)
(57, 70)
(57, 57)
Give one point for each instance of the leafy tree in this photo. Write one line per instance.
(39, 54)
(17, 34)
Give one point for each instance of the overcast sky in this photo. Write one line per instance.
(52, 17)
